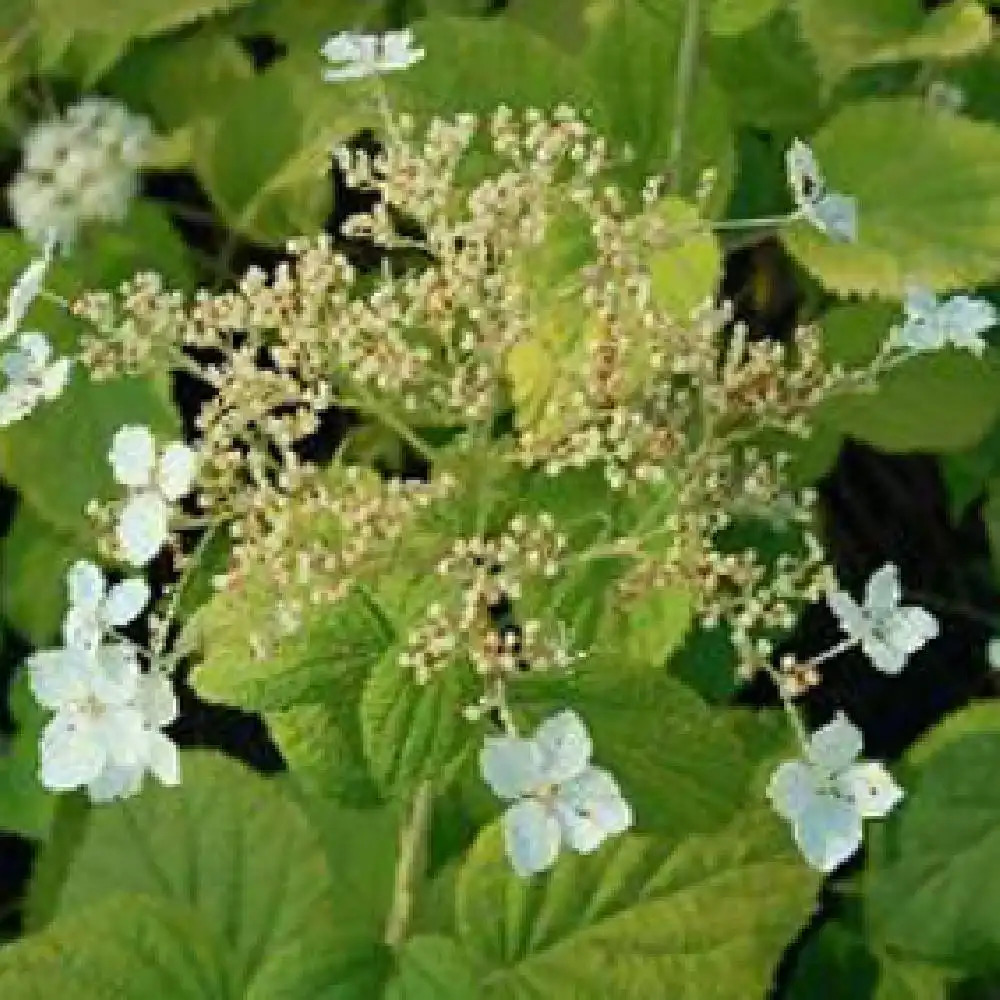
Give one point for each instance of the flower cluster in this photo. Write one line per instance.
(106, 732)
(78, 168)
(31, 376)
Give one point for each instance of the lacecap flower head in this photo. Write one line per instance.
(78, 168)
(558, 798)
(827, 795)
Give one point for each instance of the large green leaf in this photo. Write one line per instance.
(939, 402)
(928, 191)
(26, 808)
(279, 920)
(88, 38)
(432, 967)
(733, 17)
(710, 919)
(860, 32)
(413, 732)
(125, 948)
(631, 59)
(678, 762)
(933, 889)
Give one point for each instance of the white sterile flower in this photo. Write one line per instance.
(92, 691)
(157, 705)
(355, 56)
(31, 377)
(830, 212)
(887, 631)
(826, 796)
(24, 291)
(557, 796)
(931, 323)
(78, 168)
(95, 609)
(153, 483)
(993, 653)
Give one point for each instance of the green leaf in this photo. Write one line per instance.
(770, 76)
(733, 17)
(905, 980)
(678, 762)
(279, 920)
(89, 41)
(928, 191)
(834, 964)
(278, 189)
(127, 948)
(709, 919)
(933, 887)
(412, 731)
(26, 808)
(862, 32)
(635, 101)
(432, 967)
(34, 558)
(941, 402)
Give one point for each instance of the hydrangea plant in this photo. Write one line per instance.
(476, 619)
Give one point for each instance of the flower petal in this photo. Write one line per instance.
(70, 754)
(81, 628)
(114, 674)
(804, 177)
(125, 602)
(163, 758)
(511, 766)
(836, 745)
(142, 527)
(133, 455)
(156, 700)
(828, 833)
(116, 782)
(59, 677)
(911, 627)
(23, 292)
(175, 475)
(124, 736)
(85, 584)
(847, 612)
(836, 215)
(532, 836)
(882, 592)
(55, 377)
(871, 788)
(590, 809)
(792, 789)
(565, 747)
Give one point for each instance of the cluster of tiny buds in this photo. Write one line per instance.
(483, 577)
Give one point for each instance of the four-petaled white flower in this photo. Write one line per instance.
(24, 291)
(355, 56)
(154, 483)
(887, 631)
(557, 796)
(107, 719)
(826, 796)
(32, 376)
(931, 323)
(830, 212)
(95, 609)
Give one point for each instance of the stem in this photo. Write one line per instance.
(368, 405)
(834, 651)
(411, 842)
(687, 60)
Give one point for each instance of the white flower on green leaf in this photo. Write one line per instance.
(355, 56)
(887, 631)
(931, 323)
(96, 609)
(826, 796)
(154, 483)
(557, 796)
(31, 377)
(830, 212)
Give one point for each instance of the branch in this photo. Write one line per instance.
(411, 840)
(687, 61)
